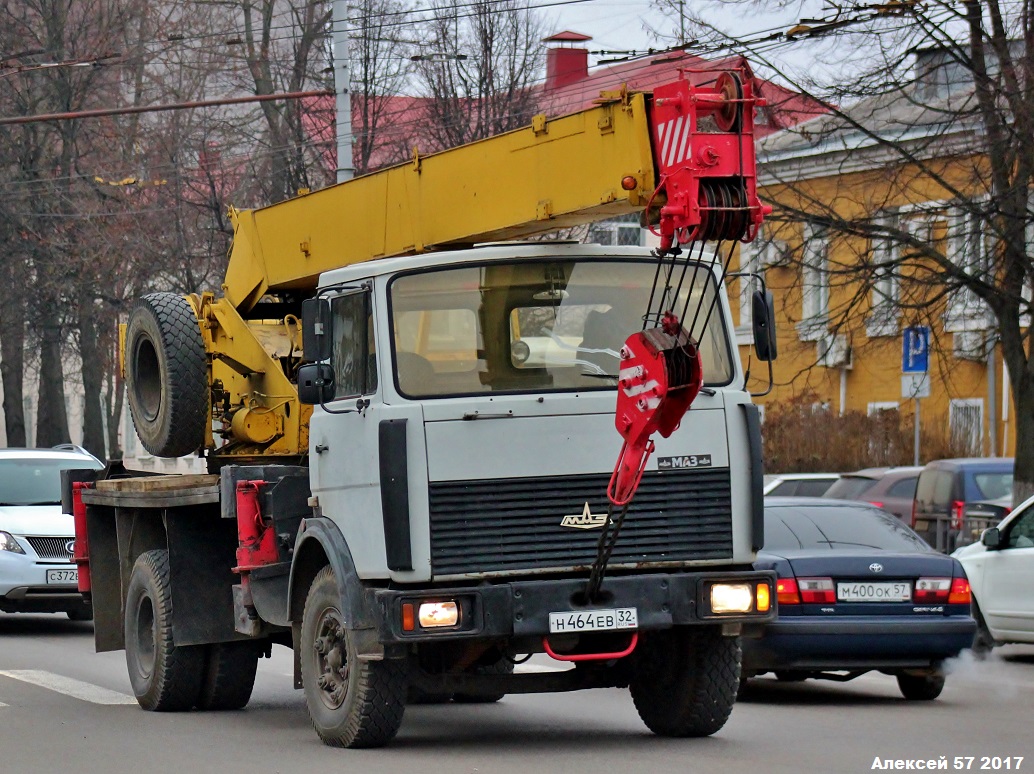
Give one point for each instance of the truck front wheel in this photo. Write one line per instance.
(352, 702)
(165, 678)
(684, 682)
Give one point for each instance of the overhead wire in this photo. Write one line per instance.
(391, 117)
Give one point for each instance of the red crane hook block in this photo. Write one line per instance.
(660, 376)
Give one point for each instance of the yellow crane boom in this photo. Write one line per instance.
(551, 175)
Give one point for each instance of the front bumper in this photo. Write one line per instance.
(24, 587)
(848, 642)
(522, 608)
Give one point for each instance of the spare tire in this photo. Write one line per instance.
(166, 375)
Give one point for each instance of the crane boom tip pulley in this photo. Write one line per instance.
(703, 142)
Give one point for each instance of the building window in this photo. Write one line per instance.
(814, 283)
(966, 425)
(883, 429)
(624, 231)
(968, 250)
(883, 320)
(875, 407)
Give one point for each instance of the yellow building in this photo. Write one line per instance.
(862, 246)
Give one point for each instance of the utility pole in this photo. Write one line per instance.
(342, 91)
(682, 22)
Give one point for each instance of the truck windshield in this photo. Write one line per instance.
(535, 326)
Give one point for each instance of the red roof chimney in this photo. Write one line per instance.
(566, 64)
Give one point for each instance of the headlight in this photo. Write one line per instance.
(8, 543)
(732, 598)
(434, 614)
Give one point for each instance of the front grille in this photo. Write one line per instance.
(513, 524)
(51, 547)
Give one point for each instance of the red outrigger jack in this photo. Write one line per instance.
(708, 185)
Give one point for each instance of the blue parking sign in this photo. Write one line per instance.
(915, 350)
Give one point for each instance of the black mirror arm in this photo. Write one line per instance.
(771, 383)
(360, 405)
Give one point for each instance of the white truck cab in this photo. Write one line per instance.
(490, 379)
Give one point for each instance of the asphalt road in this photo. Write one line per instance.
(64, 708)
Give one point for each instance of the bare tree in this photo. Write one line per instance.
(45, 211)
(478, 70)
(379, 55)
(286, 48)
(914, 193)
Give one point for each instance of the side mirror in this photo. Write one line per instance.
(763, 316)
(315, 330)
(316, 383)
(992, 538)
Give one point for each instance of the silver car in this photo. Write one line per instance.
(36, 538)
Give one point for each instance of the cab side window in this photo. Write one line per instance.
(354, 355)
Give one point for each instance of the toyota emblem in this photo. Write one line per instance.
(876, 567)
(70, 547)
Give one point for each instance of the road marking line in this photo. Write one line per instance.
(538, 668)
(77, 689)
(2, 704)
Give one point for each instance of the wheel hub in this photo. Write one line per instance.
(331, 655)
(146, 636)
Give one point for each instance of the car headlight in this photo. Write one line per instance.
(8, 543)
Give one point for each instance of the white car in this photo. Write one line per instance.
(1001, 574)
(36, 538)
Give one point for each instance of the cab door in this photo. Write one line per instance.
(356, 438)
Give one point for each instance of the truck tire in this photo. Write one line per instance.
(921, 687)
(84, 613)
(229, 676)
(352, 702)
(501, 667)
(684, 683)
(166, 375)
(415, 695)
(165, 677)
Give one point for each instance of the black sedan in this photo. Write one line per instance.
(858, 591)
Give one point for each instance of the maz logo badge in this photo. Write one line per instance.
(584, 520)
